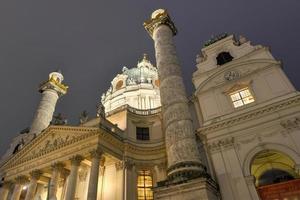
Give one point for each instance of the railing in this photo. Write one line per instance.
(144, 112)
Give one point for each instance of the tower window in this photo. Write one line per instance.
(142, 133)
(224, 57)
(241, 97)
(144, 185)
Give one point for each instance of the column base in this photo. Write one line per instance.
(200, 188)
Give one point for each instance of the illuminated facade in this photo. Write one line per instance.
(237, 137)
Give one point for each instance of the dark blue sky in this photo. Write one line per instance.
(91, 40)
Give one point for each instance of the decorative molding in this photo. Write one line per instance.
(250, 115)
(76, 160)
(291, 124)
(159, 17)
(21, 180)
(250, 180)
(221, 144)
(96, 153)
(36, 174)
(82, 174)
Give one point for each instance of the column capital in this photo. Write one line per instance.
(36, 174)
(159, 17)
(64, 173)
(7, 184)
(21, 179)
(96, 153)
(58, 166)
(76, 160)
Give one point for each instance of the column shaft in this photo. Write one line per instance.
(17, 192)
(182, 151)
(35, 175)
(72, 182)
(44, 112)
(94, 175)
(56, 170)
(5, 190)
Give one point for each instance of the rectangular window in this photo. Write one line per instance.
(142, 133)
(144, 185)
(241, 97)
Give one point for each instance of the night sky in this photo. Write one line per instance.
(90, 41)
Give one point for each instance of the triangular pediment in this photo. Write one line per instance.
(239, 70)
(51, 139)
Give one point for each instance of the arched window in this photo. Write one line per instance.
(224, 57)
(275, 175)
(144, 185)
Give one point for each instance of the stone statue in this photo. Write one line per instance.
(58, 120)
(100, 110)
(83, 117)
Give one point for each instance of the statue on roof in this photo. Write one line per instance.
(84, 116)
(58, 119)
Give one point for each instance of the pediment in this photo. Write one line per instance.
(242, 69)
(52, 139)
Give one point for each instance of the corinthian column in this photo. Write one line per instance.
(72, 182)
(35, 175)
(183, 156)
(20, 181)
(5, 190)
(57, 168)
(94, 174)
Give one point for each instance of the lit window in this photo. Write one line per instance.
(142, 133)
(144, 185)
(241, 97)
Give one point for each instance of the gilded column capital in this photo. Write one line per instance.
(76, 160)
(58, 166)
(96, 153)
(36, 174)
(21, 179)
(159, 17)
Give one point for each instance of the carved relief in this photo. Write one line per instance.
(221, 144)
(291, 124)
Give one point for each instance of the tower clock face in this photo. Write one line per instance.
(231, 75)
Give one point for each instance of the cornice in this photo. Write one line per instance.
(249, 115)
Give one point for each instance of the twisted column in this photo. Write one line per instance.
(5, 190)
(20, 181)
(183, 156)
(57, 169)
(72, 182)
(34, 177)
(94, 174)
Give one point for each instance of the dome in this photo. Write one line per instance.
(137, 87)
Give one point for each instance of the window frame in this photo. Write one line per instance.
(238, 91)
(144, 173)
(143, 135)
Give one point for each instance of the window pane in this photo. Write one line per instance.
(235, 96)
(238, 103)
(142, 133)
(247, 100)
(144, 186)
(245, 93)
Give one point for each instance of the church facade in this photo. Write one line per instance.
(236, 138)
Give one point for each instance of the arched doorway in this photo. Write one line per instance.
(276, 178)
